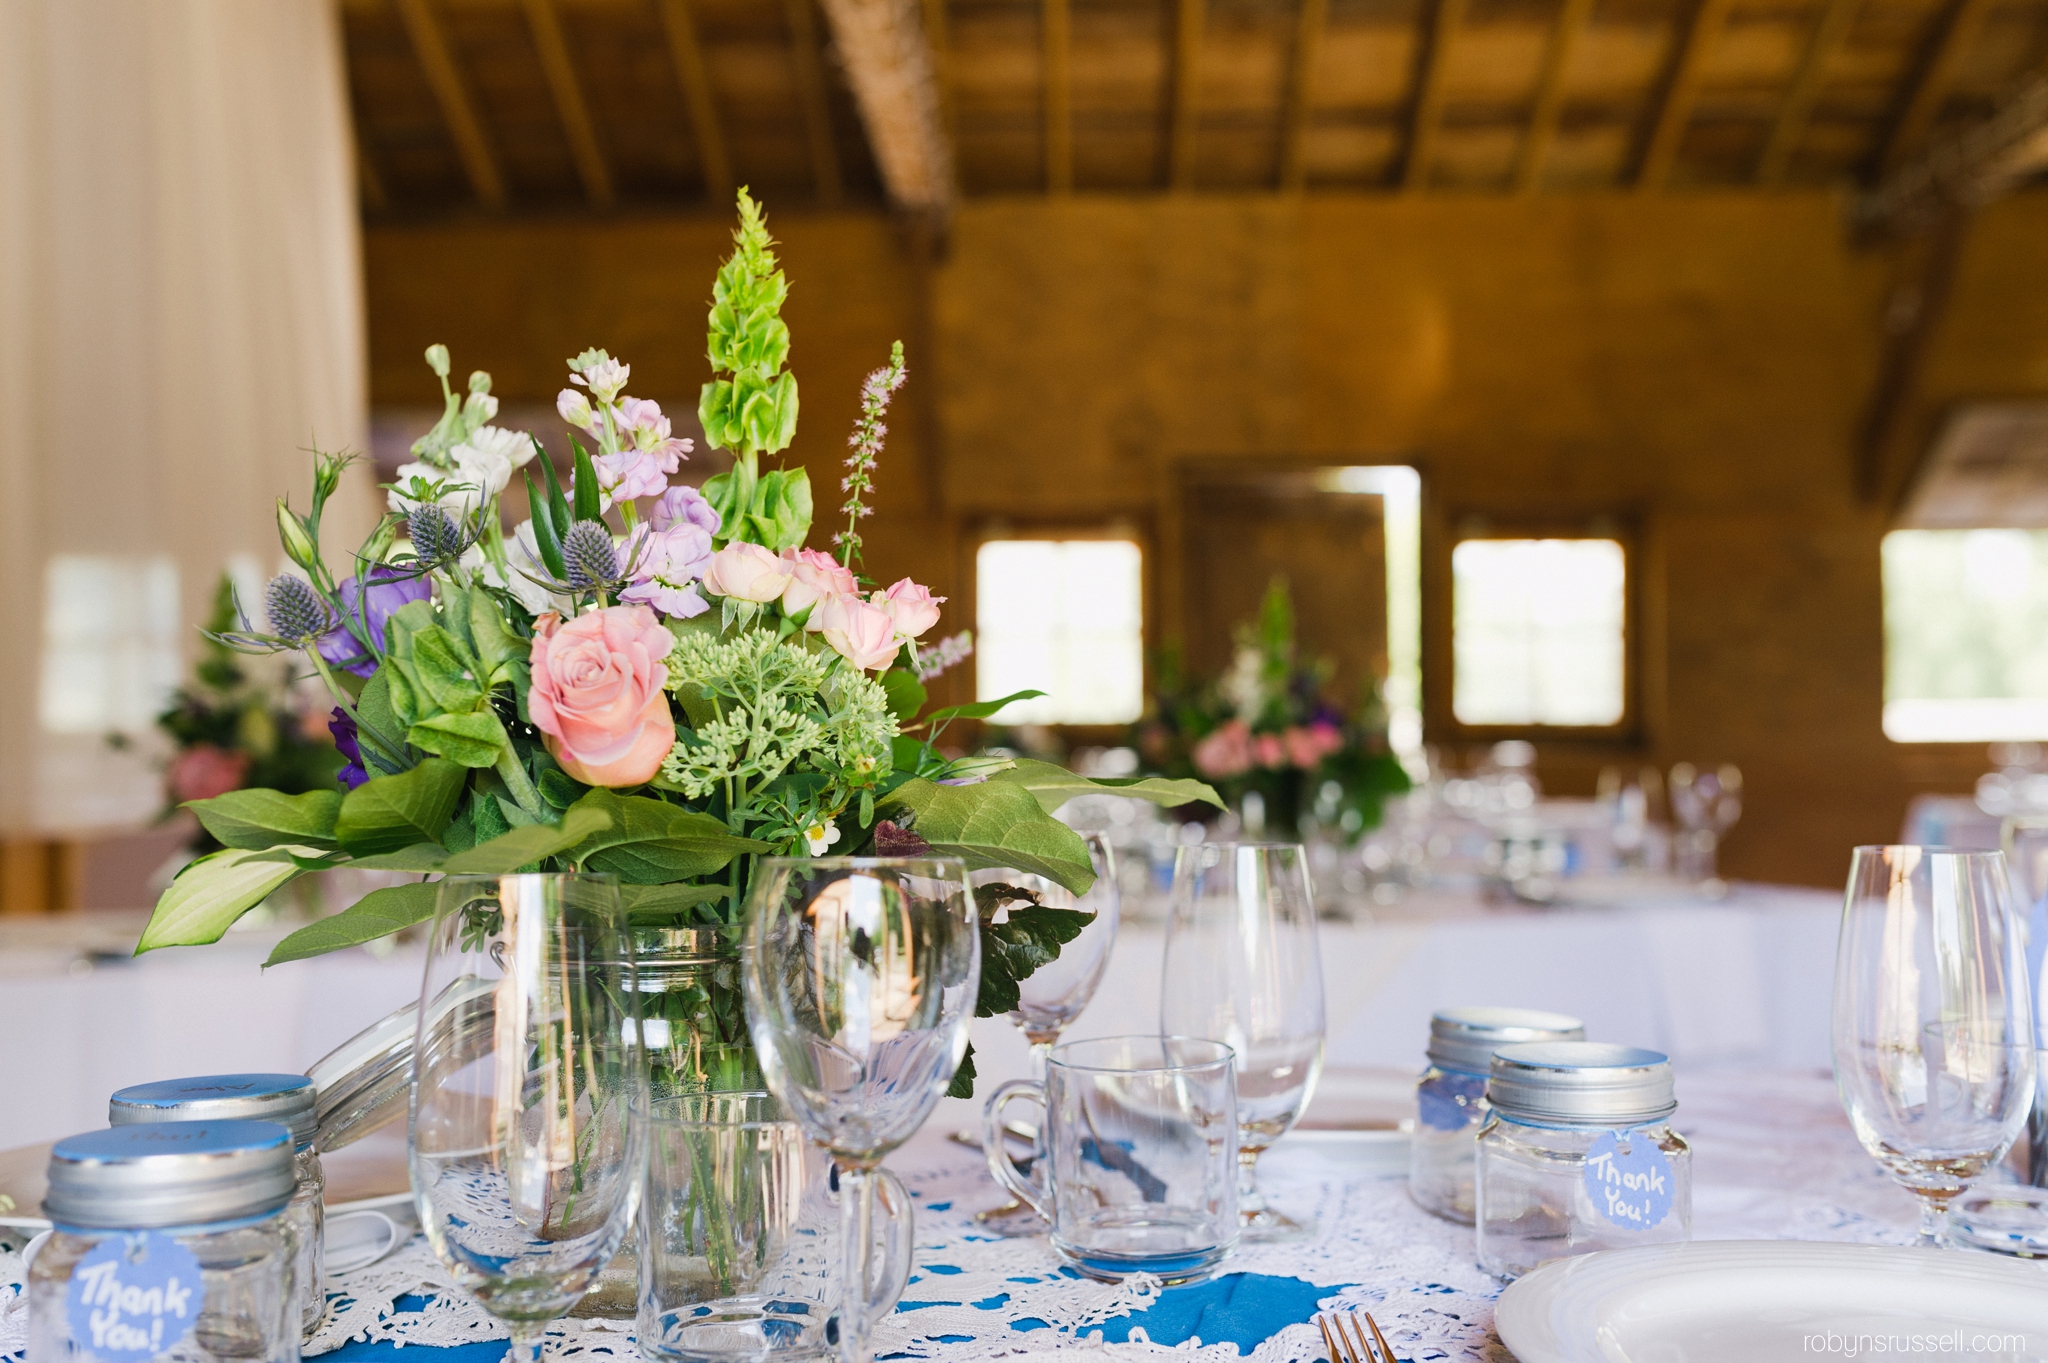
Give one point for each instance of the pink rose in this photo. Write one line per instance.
(1226, 751)
(912, 607)
(746, 572)
(597, 694)
(1267, 752)
(861, 633)
(813, 577)
(1305, 746)
(204, 771)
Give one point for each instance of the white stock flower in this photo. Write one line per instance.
(522, 552)
(516, 447)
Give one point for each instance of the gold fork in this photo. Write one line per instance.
(1340, 1345)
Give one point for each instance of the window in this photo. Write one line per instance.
(1538, 632)
(110, 642)
(1064, 617)
(1966, 635)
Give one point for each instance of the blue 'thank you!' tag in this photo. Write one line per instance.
(133, 1297)
(1629, 1179)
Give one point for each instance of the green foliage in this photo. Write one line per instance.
(255, 819)
(1054, 786)
(990, 825)
(652, 842)
(906, 693)
(656, 904)
(521, 848)
(377, 914)
(215, 890)
(1013, 948)
(963, 1077)
(441, 669)
(387, 813)
(754, 411)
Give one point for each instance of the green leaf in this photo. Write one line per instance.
(980, 709)
(443, 670)
(1055, 785)
(658, 901)
(377, 914)
(470, 740)
(1011, 951)
(991, 825)
(212, 892)
(559, 788)
(781, 511)
(421, 857)
(508, 852)
(374, 706)
(387, 813)
(584, 487)
(906, 693)
(547, 535)
(652, 842)
(257, 818)
(963, 1078)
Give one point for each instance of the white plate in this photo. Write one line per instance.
(1352, 1154)
(1775, 1301)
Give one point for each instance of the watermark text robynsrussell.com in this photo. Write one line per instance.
(1949, 1342)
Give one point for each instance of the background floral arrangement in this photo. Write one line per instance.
(666, 697)
(1266, 727)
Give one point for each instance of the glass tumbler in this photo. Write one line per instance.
(1140, 1135)
(740, 1254)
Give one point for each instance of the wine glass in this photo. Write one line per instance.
(1242, 967)
(1052, 996)
(528, 1131)
(861, 975)
(1706, 805)
(1933, 1028)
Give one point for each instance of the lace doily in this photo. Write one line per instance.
(1773, 1159)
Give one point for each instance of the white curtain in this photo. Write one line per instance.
(180, 315)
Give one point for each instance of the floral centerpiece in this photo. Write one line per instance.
(1266, 729)
(641, 678)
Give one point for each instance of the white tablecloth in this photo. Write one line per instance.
(1745, 980)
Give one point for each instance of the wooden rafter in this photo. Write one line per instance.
(1804, 93)
(1548, 110)
(478, 161)
(811, 98)
(1429, 93)
(938, 38)
(1301, 73)
(1185, 105)
(1681, 91)
(694, 80)
(1965, 171)
(1923, 283)
(889, 65)
(375, 198)
(1936, 77)
(1056, 42)
(560, 70)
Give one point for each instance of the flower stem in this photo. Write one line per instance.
(520, 784)
(364, 729)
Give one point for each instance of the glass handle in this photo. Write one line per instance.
(897, 1236)
(999, 1162)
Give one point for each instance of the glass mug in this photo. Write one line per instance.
(1140, 1146)
(739, 1236)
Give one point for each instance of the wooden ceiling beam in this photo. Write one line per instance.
(693, 78)
(1681, 92)
(1936, 77)
(1184, 110)
(1308, 47)
(560, 70)
(937, 37)
(809, 66)
(1829, 33)
(1448, 18)
(1056, 43)
(474, 149)
(1548, 110)
(895, 84)
(1963, 172)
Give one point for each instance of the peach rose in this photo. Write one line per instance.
(597, 694)
(813, 577)
(911, 606)
(203, 771)
(746, 572)
(862, 633)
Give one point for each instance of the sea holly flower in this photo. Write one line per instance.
(590, 557)
(298, 617)
(523, 565)
(820, 836)
(390, 588)
(600, 373)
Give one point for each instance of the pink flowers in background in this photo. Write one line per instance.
(204, 771)
(598, 694)
(1232, 749)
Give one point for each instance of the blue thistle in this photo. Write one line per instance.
(436, 536)
(297, 614)
(588, 555)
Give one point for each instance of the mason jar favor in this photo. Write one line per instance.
(1450, 1097)
(286, 1099)
(168, 1241)
(1577, 1154)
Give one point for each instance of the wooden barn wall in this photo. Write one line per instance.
(1690, 367)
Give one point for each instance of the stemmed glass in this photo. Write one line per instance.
(1242, 967)
(1933, 1028)
(1706, 805)
(1052, 996)
(529, 1119)
(861, 975)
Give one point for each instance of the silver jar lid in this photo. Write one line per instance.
(1466, 1038)
(286, 1099)
(1581, 1083)
(169, 1174)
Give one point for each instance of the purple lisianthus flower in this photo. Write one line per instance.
(664, 566)
(390, 588)
(346, 743)
(685, 503)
